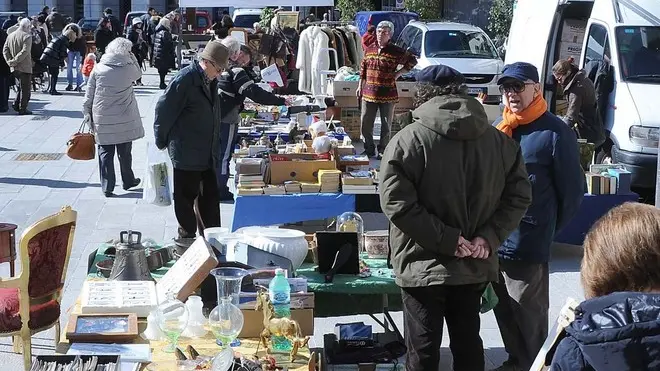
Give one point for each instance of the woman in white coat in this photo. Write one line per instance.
(111, 110)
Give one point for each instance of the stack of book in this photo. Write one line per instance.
(357, 178)
(598, 184)
(272, 189)
(249, 191)
(307, 187)
(250, 181)
(605, 179)
(359, 189)
(292, 187)
(329, 180)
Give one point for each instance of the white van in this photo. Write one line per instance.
(624, 32)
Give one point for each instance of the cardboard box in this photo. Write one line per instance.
(406, 89)
(343, 88)
(568, 49)
(351, 122)
(254, 322)
(347, 102)
(302, 167)
(573, 31)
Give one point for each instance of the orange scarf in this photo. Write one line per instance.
(510, 120)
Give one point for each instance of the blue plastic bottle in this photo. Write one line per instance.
(279, 292)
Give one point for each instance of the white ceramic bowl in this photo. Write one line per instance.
(288, 243)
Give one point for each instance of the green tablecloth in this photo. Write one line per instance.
(346, 295)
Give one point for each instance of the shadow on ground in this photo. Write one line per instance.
(50, 183)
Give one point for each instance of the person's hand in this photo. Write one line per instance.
(358, 92)
(481, 248)
(464, 248)
(481, 97)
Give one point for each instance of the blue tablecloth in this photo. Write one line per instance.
(593, 207)
(276, 209)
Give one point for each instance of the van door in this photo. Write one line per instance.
(530, 31)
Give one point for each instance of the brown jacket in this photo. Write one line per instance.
(583, 108)
(17, 51)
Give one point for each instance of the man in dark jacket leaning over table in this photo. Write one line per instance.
(453, 188)
(234, 85)
(188, 124)
(550, 151)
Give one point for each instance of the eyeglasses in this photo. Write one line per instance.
(514, 87)
(217, 69)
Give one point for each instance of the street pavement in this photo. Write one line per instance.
(31, 190)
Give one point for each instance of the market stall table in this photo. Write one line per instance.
(205, 345)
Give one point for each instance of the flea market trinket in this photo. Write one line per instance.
(279, 141)
(265, 141)
(285, 327)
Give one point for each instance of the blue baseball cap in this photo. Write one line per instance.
(522, 71)
(439, 75)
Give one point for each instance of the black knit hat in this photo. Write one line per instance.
(440, 75)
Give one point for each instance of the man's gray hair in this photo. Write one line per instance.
(386, 24)
(232, 44)
(25, 25)
(119, 46)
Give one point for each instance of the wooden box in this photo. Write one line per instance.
(301, 167)
(253, 322)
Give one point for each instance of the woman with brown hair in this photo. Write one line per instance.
(618, 326)
(582, 114)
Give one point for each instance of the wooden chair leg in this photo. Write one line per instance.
(18, 345)
(57, 332)
(27, 352)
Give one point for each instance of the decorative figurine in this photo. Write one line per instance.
(285, 327)
(265, 141)
(279, 141)
(244, 144)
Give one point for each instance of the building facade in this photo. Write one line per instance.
(77, 9)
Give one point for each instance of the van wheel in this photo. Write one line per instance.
(604, 156)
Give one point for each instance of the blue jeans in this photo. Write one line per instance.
(228, 140)
(74, 58)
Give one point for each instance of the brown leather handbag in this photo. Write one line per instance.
(81, 145)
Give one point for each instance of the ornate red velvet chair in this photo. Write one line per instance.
(30, 303)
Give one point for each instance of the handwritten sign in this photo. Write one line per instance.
(188, 272)
(272, 74)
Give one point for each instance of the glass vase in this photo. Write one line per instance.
(352, 222)
(226, 322)
(172, 319)
(228, 282)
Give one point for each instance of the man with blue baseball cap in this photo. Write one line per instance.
(550, 151)
(453, 187)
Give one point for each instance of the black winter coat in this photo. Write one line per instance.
(620, 331)
(187, 120)
(56, 52)
(139, 45)
(4, 67)
(103, 37)
(163, 49)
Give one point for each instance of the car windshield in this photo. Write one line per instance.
(458, 44)
(639, 53)
(246, 20)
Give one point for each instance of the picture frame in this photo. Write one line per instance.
(102, 328)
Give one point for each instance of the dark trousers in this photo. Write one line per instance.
(24, 90)
(162, 73)
(368, 117)
(4, 93)
(107, 165)
(228, 140)
(522, 311)
(196, 201)
(425, 309)
(54, 72)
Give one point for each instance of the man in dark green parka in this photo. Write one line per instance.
(453, 188)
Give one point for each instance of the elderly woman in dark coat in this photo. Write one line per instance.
(56, 54)
(582, 114)
(164, 50)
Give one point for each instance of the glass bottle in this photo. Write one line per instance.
(352, 222)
